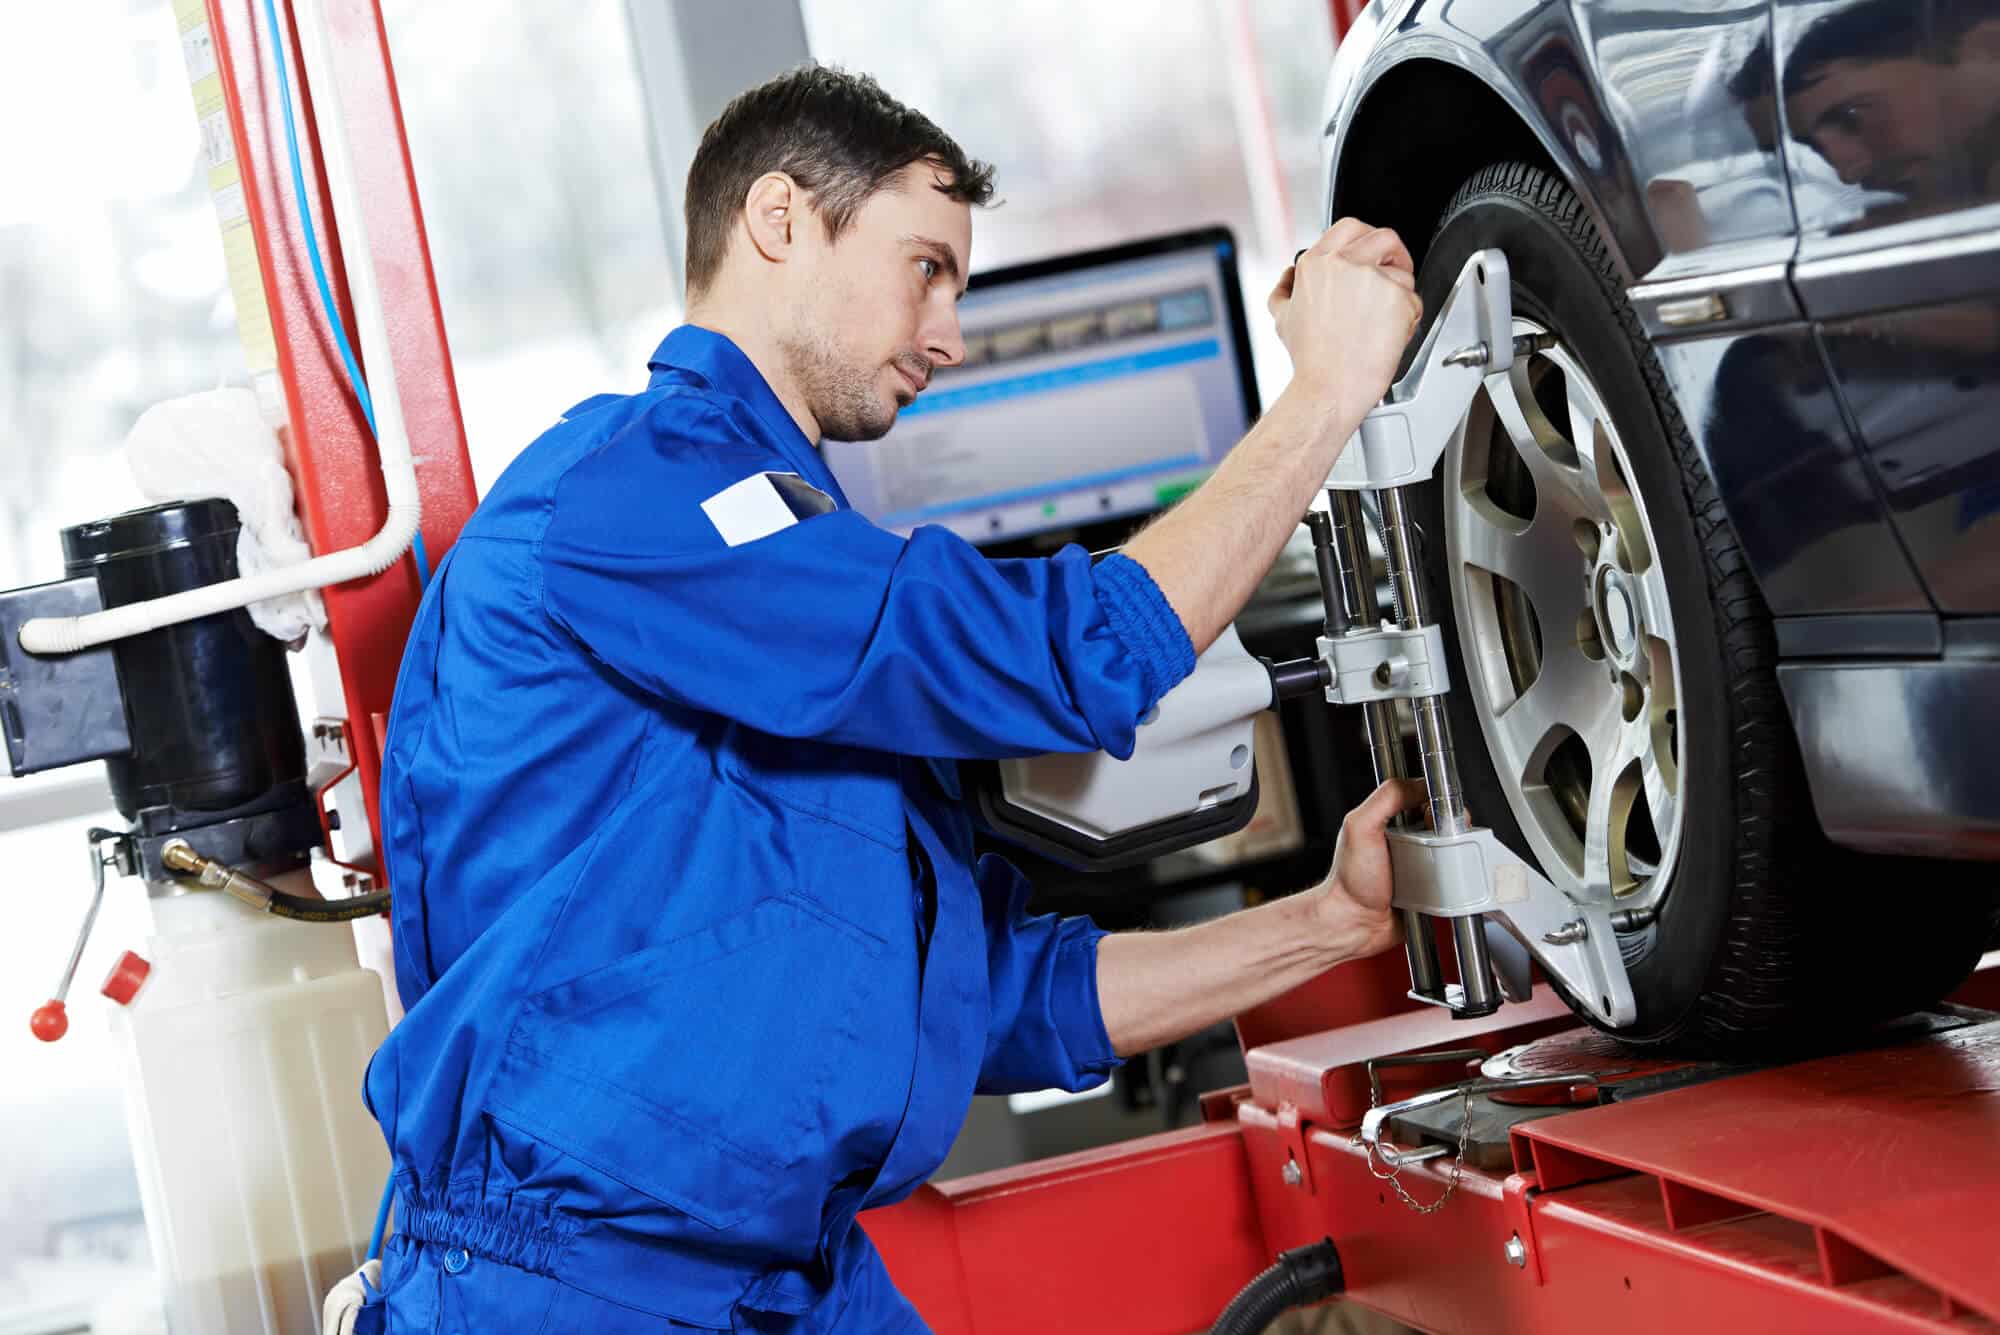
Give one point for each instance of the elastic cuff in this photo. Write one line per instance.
(1079, 1014)
(1145, 621)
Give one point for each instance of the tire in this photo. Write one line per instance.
(1765, 938)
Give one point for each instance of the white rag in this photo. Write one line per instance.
(345, 1300)
(217, 443)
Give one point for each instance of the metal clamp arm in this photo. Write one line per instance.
(1401, 441)
(1473, 873)
(1387, 663)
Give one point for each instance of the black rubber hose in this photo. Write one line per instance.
(300, 908)
(262, 895)
(1302, 1275)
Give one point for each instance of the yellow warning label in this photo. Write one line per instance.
(225, 187)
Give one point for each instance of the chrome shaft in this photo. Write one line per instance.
(1359, 607)
(1406, 579)
(1402, 556)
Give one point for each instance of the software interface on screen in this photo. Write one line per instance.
(1091, 393)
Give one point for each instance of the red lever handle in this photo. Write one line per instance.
(50, 1022)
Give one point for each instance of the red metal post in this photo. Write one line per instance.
(331, 456)
(1343, 14)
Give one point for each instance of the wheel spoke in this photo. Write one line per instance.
(1569, 692)
(1542, 559)
(1583, 428)
(1558, 469)
(1636, 552)
(1657, 612)
(1663, 799)
(1615, 750)
(1662, 766)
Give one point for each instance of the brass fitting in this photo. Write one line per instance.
(179, 856)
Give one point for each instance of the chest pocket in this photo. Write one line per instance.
(694, 1071)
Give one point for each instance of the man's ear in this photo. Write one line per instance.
(770, 208)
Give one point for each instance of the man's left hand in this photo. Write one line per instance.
(1353, 901)
(1159, 987)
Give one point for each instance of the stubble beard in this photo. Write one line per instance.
(841, 397)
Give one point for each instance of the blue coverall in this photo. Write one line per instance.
(697, 958)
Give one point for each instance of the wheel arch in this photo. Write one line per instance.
(1403, 150)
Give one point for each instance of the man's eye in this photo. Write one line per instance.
(930, 268)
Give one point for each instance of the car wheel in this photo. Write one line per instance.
(1616, 706)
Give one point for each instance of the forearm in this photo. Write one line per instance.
(1208, 553)
(1159, 987)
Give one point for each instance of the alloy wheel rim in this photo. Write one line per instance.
(1568, 636)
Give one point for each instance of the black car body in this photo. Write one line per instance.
(1802, 199)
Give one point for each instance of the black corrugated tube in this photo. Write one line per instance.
(1302, 1275)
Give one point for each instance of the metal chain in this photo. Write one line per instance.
(1394, 1173)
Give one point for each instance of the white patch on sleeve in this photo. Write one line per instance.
(763, 504)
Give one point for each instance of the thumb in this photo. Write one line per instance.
(1382, 806)
(1281, 293)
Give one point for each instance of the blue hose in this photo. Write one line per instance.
(381, 1217)
(354, 378)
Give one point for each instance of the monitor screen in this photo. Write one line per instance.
(1097, 386)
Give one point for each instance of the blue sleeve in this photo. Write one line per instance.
(832, 628)
(1047, 1029)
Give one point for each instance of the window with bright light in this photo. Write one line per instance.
(529, 141)
(112, 295)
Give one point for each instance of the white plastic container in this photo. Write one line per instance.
(259, 1167)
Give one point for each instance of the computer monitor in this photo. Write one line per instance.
(1097, 388)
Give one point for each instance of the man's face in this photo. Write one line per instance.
(877, 310)
(1877, 122)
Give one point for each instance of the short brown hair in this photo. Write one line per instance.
(837, 134)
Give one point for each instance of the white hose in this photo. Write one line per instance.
(63, 635)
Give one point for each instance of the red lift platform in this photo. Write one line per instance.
(1857, 1191)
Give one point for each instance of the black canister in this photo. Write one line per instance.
(209, 702)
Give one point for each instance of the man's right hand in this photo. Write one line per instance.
(1346, 309)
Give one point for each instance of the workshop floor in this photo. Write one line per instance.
(1337, 1319)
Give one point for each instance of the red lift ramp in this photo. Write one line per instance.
(1872, 1173)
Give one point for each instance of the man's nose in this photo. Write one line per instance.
(1849, 158)
(943, 343)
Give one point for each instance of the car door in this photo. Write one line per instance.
(1891, 114)
(1689, 94)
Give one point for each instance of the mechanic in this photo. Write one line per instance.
(697, 958)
